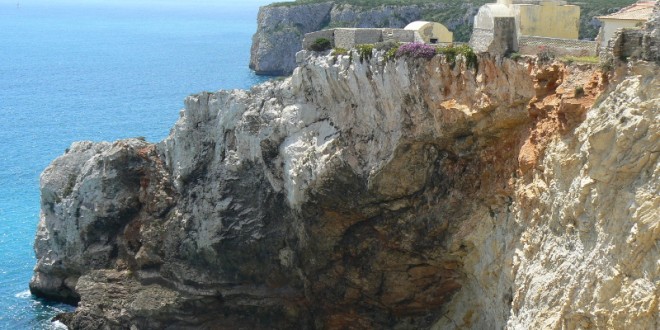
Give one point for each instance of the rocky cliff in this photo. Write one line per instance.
(372, 194)
(280, 28)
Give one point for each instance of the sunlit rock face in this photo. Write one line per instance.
(407, 193)
(578, 247)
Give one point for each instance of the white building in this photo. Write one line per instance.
(633, 16)
(431, 32)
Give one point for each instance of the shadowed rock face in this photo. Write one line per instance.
(279, 35)
(354, 194)
(324, 200)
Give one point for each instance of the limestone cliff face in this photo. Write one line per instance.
(577, 247)
(590, 219)
(404, 194)
(280, 29)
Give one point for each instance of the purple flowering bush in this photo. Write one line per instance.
(416, 50)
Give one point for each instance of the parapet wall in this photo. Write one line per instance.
(563, 47)
(481, 39)
(349, 38)
(313, 36)
(500, 40)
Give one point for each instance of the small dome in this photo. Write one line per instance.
(431, 32)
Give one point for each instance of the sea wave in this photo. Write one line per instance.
(24, 294)
(57, 325)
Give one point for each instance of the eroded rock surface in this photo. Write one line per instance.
(577, 247)
(371, 194)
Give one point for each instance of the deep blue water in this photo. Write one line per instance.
(95, 70)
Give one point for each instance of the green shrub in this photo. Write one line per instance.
(470, 57)
(389, 47)
(545, 56)
(579, 91)
(606, 65)
(321, 44)
(386, 45)
(365, 51)
(391, 53)
(451, 52)
(515, 56)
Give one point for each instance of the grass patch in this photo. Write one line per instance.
(339, 51)
(580, 59)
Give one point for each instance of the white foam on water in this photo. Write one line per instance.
(57, 325)
(23, 294)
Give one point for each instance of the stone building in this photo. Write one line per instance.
(431, 32)
(631, 17)
(635, 43)
(350, 37)
(550, 19)
(538, 25)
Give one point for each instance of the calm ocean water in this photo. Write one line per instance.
(97, 70)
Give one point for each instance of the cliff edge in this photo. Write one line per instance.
(372, 193)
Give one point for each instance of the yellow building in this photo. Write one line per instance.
(431, 32)
(550, 19)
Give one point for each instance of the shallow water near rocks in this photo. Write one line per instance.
(97, 70)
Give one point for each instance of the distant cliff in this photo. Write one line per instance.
(279, 35)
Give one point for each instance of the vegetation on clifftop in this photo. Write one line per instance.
(453, 9)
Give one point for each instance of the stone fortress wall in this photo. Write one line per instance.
(561, 47)
(350, 37)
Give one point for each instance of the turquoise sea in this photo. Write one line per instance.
(97, 70)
